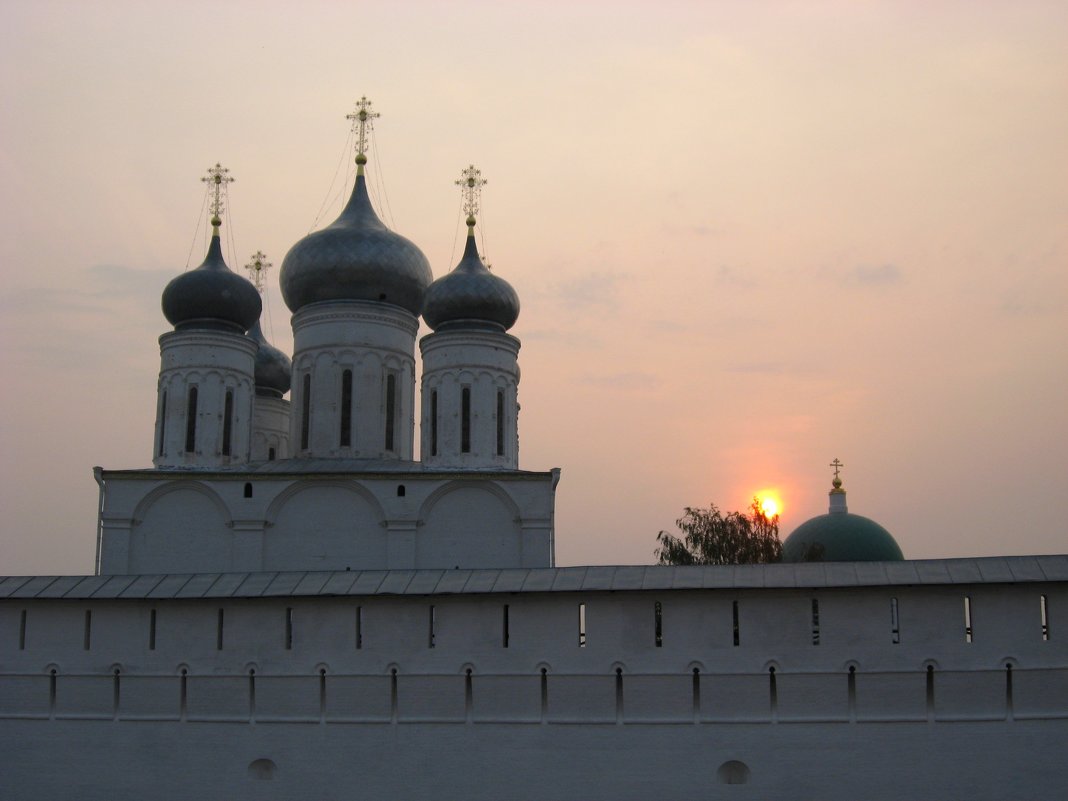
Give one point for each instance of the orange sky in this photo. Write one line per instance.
(748, 238)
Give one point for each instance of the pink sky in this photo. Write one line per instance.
(748, 238)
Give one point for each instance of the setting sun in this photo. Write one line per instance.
(769, 504)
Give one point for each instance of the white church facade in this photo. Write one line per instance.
(289, 605)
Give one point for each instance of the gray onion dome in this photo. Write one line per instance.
(355, 258)
(471, 295)
(274, 370)
(211, 296)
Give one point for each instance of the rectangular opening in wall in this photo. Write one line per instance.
(391, 408)
(345, 438)
(289, 628)
(504, 633)
(815, 621)
(465, 420)
(967, 619)
(162, 423)
(88, 632)
(1043, 607)
(500, 423)
(895, 625)
(219, 631)
(152, 630)
(305, 411)
(191, 421)
(228, 422)
(432, 621)
(737, 631)
(359, 627)
(582, 625)
(22, 630)
(658, 624)
(930, 692)
(434, 423)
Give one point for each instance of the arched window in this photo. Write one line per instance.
(391, 408)
(434, 423)
(191, 421)
(500, 423)
(228, 424)
(305, 411)
(162, 422)
(465, 420)
(346, 409)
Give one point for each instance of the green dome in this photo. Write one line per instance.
(844, 537)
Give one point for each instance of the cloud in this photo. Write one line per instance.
(594, 289)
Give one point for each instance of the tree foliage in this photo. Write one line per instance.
(710, 537)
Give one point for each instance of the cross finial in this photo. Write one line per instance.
(361, 118)
(471, 183)
(837, 481)
(218, 176)
(257, 270)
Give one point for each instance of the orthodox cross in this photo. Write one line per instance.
(257, 270)
(218, 177)
(471, 183)
(361, 118)
(837, 465)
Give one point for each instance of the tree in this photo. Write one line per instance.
(711, 537)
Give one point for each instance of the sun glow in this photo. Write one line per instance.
(770, 504)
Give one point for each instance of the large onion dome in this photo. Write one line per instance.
(471, 295)
(211, 296)
(274, 369)
(840, 536)
(355, 258)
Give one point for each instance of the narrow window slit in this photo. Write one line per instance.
(52, 693)
(191, 421)
(248, 489)
(393, 695)
(115, 695)
(270, 454)
(219, 631)
(87, 635)
(1008, 692)
(183, 694)
(359, 627)
(852, 691)
(544, 694)
(1043, 606)
(22, 630)
(773, 694)
(895, 624)
(468, 695)
(465, 420)
(582, 625)
(696, 694)
(391, 408)
(432, 636)
(162, 424)
(434, 423)
(658, 625)
(252, 694)
(815, 621)
(930, 692)
(504, 633)
(619, 695)
(289, 628)
(967, 619)
(305, 411)
(322, 694)
(228, 422)
(737, 630)
(345, 439)
(152, 630)
(500, 423)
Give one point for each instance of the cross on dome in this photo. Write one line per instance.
(361, 118)
(471, 183)
(218, 176)
(257, 270)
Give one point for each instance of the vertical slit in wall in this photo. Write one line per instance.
(87, 634)
(305, 411)
(504, 633)
(815, 621)
(930, 692)
(115, 695)
(737, 631)
(658, 624)
(393, 695)
(359, 627)
(219, 631)
(1008, 693)
(967, 618)
(500, 423)
(544, 695)
(289, 628)
(152, 630)
(465, 420)
(345, 435)
(582, 625)
(183, 694)
(431, 620)
(696, 694)
(468, 696)
(322, 694)
(1043, 610)
(228, 422)
(434, 423)
(162, 423)
(619, 695)
(252, 695)
(852, 685)
(270, 454)
(191, 421)
(52, 693)
(773, 694)
(895, 623)
(248, 489)
(22, 630)
(391, 409)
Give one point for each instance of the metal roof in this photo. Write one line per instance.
(930, 572)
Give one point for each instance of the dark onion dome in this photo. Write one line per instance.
(840, 537)
(355, 258)
(274, 370)
(470, 295)
(211, 296)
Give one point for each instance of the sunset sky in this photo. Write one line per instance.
(748, 238)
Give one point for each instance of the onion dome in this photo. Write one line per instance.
(355, 258)
(211, 296)
(274, 369)
(840, 536)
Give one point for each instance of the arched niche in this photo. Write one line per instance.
(181, 527)
(468, 525)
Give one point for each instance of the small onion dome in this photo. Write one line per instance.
(355, 258)
(211, 296)
(274, 370)
(839, 536)
(471, 295)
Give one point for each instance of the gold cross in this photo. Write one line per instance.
(257, 270)
(837, 465)
(471, 183)
(219, 177)
(361, 118)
